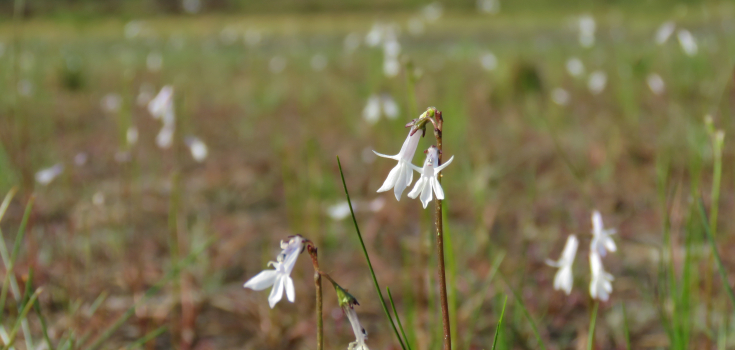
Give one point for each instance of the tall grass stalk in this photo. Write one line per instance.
(23, 314)
(14, 256)
(367, 257)
(718, 260)
(146, 338)
(398, 318)
(593, 321)
(500, 322)
(626, 330)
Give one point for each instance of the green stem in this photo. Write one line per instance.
(593, 320)
(367, 257)
(319, 303)
(441, 269)
(398, 319)
(500, 322)
(718, 260)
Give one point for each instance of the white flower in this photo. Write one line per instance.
(280, 277)
(401, 175)
(132, 135)
(587, 31)
(165, 137)
(664, 32)
(371, 112)
(560, 96)
(601, 284)
(597, 82)
(575, 67)
(162, 104)
(601, 240)
(488, 61)
(360, 333)
(687, 42)
(429, 180)
(390, 107)
(197, 148)
(563, 279)
(655, 83)
(45, 176)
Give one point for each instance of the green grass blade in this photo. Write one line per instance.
(173, 273)
(44, 327)
(626, 330)
(14, 255)
(500, 322)
(398, 319)
(21, 317)
(367, 257)
(148, 337)
(718, 260)
(525, 313)
(593, 321)
(6, 202)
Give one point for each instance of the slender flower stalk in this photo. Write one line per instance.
(319, 303)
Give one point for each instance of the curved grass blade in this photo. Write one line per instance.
(591, 334)
(500, 322)
(148, 337)
(398, 319)
(367, 257)
(718, 260)
(21, 317)
(14, 255)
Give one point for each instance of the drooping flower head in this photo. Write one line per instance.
(428, 180)
(347, 302)
(280, 276)
(401, 175)
(162, 107)
(601, 283)
(601, 240)
(563, 279)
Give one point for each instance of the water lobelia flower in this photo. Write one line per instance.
(601, 284)
(563, 279)
(601, 240)
(347, 302)
(401, 175)
(429, 180)
(279, 277)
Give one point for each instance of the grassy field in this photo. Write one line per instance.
(276, 98)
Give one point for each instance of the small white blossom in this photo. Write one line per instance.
(597, 82)
(45, 176)
(165, 137)
(563, 279)
(277, 64)
(488, 61)
(429, 180)
(401, 175)
(391, 66)
(360, 332)
(154, 61)
(488, 6)
(575, 67)
(601, 284)
(687, 42)
(163, 103)
(560, 96)
(655, 83)
(371, 112)
(664, 32)
(587, 28)
(601, 240)
(390, 107)
(197, 148)
(280, 276)
(132, 135)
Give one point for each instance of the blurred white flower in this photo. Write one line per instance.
(228, 35)
(601, 283)
(165, 137)
(687, 42)
(392, 48)
(192, 6)
(575, 67)
(563, 280)
(154, 61)
(428, 182)
(360, 332)
(371, 112)
(352, 42)
(80, 159)
(390, 107)
(132, 135)
(597, 82)
(488, 61)
(252, 37)
(98, 199)
(111, 103)
(375, 36)
(45, 176)
(401, 175)
(560, 96)
(664, 32)
(391, 67)
(488, 6)
(601, 240)
(197, 148)
(133, 29)
(415, 26)
(280, 276)
(432, 12)
(277, 64)
(25, 87)
(163, 103)
(318, 62)
(655, 83)
(587, 28)
(376, 204)
(339, 211)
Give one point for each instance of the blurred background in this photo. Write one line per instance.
(551, 111)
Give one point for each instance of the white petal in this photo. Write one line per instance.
(386, 156)
(596, 223)
(390, 181)
(400, 185)
(610, 244)
(437, 188)
(262, 280)
(276, 292)
(444, 165)
(418, 187)
(426, 194)
(564, 280)
(290, 292)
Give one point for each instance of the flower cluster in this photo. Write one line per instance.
(401, 176)
(601, 280)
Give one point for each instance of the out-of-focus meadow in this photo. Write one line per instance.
(544, 125)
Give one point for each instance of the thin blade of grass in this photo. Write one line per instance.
(398, 319)
(14, 255)
(525, 313)
(6, 201)
(626, 330)
(593, 321)
(22, 316)
(367, 257)
(718, 260)
(173, 273)
(148, 337)
(44, 327)
(500, 322)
